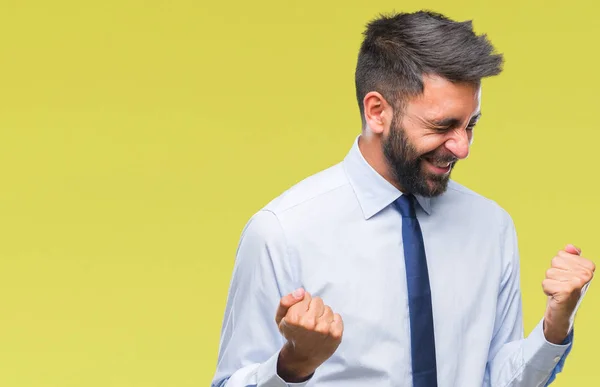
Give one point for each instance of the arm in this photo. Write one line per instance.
(513, 360)
(250, 340)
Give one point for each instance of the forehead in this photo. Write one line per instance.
(442, 98)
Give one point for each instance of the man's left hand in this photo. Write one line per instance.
(565, 279)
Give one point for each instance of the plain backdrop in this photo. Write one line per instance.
(138, 137)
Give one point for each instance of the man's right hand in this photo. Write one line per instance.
(313, 334)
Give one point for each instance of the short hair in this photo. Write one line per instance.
(398, 49)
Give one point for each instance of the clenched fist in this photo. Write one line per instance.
(563, 285)
(313, 333)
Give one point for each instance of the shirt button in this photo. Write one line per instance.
(556, 359)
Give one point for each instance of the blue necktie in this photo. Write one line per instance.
(419, 296)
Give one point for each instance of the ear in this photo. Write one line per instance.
(378, 113)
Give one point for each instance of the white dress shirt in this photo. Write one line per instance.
(337, 235)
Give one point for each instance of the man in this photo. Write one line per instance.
(380, 271)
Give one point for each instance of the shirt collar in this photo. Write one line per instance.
(373, 192)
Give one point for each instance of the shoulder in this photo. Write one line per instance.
(312, 192)
(295, 204)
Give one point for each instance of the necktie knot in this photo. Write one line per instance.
(406, 206)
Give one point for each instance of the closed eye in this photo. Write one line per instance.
(443, 129)
(451, 123)
(474, 121)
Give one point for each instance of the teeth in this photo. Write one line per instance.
(439, 165)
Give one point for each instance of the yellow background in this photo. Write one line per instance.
(137, 137)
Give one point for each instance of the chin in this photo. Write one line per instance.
(436, 187)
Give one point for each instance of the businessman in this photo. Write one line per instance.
(381, 271)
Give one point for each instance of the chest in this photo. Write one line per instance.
(360, 272)
(362, 266)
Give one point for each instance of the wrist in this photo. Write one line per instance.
(555, 332)
(292, 368)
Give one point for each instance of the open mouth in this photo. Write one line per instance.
(438, 167)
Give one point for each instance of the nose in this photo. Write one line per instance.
(458, 143)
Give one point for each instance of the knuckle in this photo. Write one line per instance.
(307, 299)
(555, 261)
(295, 315)
(292, 320)
(549, 273)
(575, 285)
(309, 324)
(336, 334)
(562, 253)
(545, 283)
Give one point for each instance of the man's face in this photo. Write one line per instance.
(435, 130)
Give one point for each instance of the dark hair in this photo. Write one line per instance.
(399, 49)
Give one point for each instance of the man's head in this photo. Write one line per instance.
(418, 83)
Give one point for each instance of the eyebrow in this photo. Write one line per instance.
(452, 122)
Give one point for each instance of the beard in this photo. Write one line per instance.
(406, 164)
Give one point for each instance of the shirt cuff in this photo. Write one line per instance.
(267, 375)
(540, 353)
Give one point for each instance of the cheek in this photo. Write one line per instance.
(430, 144)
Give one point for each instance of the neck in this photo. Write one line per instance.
(370, 146)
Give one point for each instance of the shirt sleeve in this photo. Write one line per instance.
(250, 340)
(515, 360)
